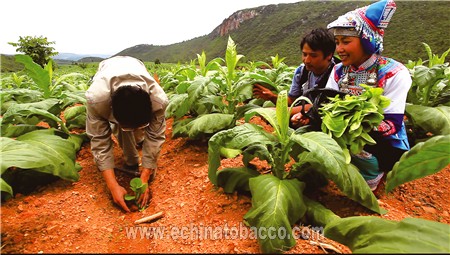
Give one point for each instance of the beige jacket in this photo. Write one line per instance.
(113, 73)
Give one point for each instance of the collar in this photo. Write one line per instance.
(368, 64)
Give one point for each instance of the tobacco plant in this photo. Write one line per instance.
(138, 188)
(47, 151)
(211, 101)
(277, 198)
(428, 101)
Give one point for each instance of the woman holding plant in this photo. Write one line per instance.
(359, 42)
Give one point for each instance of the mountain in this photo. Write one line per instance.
(76, 57)
(265, 31)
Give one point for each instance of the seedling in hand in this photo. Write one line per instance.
(139, 189)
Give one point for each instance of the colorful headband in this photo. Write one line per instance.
(369, 23)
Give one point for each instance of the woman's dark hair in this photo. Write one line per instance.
(320, 39)
(131, 106)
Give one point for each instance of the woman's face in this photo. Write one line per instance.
(350, 50)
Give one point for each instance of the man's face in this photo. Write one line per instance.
(315, 61)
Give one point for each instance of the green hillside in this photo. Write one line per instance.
(9, 64)
(279, 28)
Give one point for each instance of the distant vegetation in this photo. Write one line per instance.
(279, 28)
(8, 64)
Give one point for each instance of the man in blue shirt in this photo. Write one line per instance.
(318, 47)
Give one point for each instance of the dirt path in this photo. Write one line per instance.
(80, 217)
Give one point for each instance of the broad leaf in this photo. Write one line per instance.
(317, 214)
(42, 151)
(233, 179)
(75, 116)
(328, 159)
(236, 138)
(276, 205)
(426, 77)
(431, 119)
(17, 130)
(369, 234)
(423, 159)
(23, 113)
(209, 124)
(40, 76)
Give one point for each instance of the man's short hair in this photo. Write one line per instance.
(320, 39)
(131, 106)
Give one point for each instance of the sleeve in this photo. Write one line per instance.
(331, 83)
(295, 90)
(396, 89)
(99, 131)
(155, 134)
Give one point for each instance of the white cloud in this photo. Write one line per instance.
(109, 26)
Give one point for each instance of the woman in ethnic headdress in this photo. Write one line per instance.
(359, 42)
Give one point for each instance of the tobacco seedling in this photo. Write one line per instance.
(139, 188)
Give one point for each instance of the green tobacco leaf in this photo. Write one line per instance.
(263, 80)
(136, 183)
(233, 179)
(369, 234)
(40, 151)
(276, 206)
(180, 127)
(327, 157)
(5, 187)
(269, 114)
(229, 153)
(196, 88)
(431, 119)
(20, 154)
(39, 75)
(17, 130)
(78, 140)
(75, 116)
(259, 151)
(25, 112)
(282, 113)
(236, 138)
(423, 159)
(317, 214)
(178, 106)
(61, 153)
(209, 124)
(426, 77)
(129, 197)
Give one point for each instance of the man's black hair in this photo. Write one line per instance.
(320, 39)
(131, 106)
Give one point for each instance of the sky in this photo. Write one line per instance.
(110, 26)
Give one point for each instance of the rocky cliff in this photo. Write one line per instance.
(233, 22)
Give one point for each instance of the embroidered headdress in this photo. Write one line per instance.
(368, 23)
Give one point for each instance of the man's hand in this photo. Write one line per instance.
(298, 120)
(118, 192)
(146, 175)
(262, 92)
